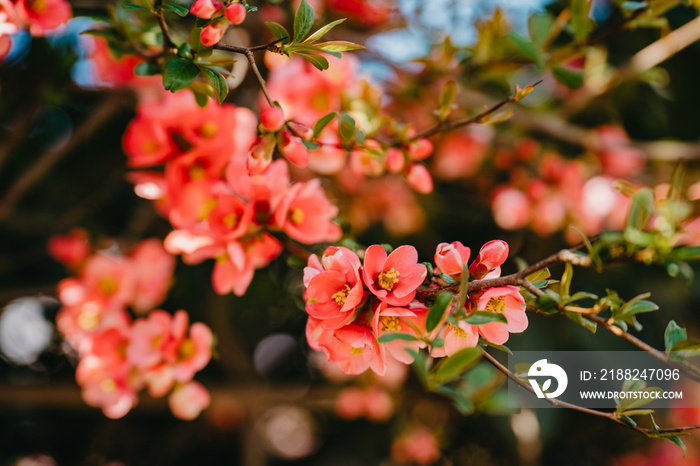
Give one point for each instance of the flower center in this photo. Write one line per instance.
(88, 320)
(208, 130)
(296, 216)
(108, 286)
(207, 207)
(186, 349)
(356, 351)
(150, 147)
(390, 323)
(340, 296)
(458, 331)
(388, 279)
(496, 304)
(230, 220)
(197, 172)
(108, 385)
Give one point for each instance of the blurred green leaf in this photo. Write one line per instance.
(485, 317)
(437, 310)
(452, 367)
(179, 74)
(673, 335)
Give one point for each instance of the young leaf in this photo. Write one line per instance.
(392, 336)
(179, 74)
(582, 321)
(346, 129)
(437, 310)
(673, 335)
(454, 366)
(317, 60)
(448, 94)
(217, 81)
(641, 209)
(677, 440)
(686, 349)
(323, 122)
(338, 46)
(131, 6)
(303, 20)
(485, 317)
(524, 46)
(278, 31)
(569, 78)
(146, 68)
(323, 31)
(179, 10)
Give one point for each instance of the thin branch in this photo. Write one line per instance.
(168, 43)
(563, 404)
(451, 125)
(516, 279)
(659, 355)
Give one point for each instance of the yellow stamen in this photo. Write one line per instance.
(230, 220)
(156, 342)
(340, 296)
(458, 331)
(150, 147)
(356, 351)
(207, 208)
(186, 349)
(496, 304)
(108, 286)
(296, 216)
(88, 320)
(390, 323)
(388, 279)
(108, 385)
(208, 130)
(38, 6)
(197, 172)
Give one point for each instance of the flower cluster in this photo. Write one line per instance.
(219, 210)
(222, 15)
(352, 304)
(39, 17)
(117, 356)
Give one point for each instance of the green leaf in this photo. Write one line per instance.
(570, 78)
(503, 348)
(420, 364)
(339, 46)
(673, 335)
(303, 20)
(540, 275)
(323, 31)
(322, 122)
(539, 26)
(317, 60)
(448, 279)
(180, 11)
(202, 101)
(582, 321)
(581, 23)
(448, 94)
(278, 31)
(217, 81)
(637, 307)
(437, 310)
(677, 440)
(524, 46)
(686, 349)
(641, 208)
(146, 68)
(392, 336)
(565, 284)
(179, 74)
(452, 367)
(548, 303)
(637, 412)
(346, 129)
(631, 403)
(131, 6)
(485, 317)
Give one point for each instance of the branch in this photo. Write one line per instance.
(563, 404)
(659, 355)
(168, 44)
(516, 279)
(451, 125)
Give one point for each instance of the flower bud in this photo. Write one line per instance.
(303, 131)
(491, 256)
(450, 258)
(235, 13)
(213, 32)
(419, 179)
(293, 149)
(395, 160)
(420, 149)
(260, 155)
(207, 9)
(272, 119)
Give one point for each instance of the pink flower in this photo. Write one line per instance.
(508, 301)
(194, 351)
(353, 347)
(374, 403)
(231, 218)
(207, 9)
(147, 142)
(489, 260)
(305, 214)
(71, 249)
(460, 154)
(213, 32)
(333, 294)
(457, 338)
(43, 16)
(187, 401)
(396, 319)
(110, 277)
(235, 266)
(419, 178)
(293, 149)
(154, 268)
(272, 118)
(511, 208)
(417, 445)
(149, 337)
(235, 13)
(393, 279)
(451, 258)
(260, 155)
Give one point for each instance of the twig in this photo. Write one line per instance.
(563, 404)
(168, 44)
(451, 125)
(516, 279)
(659, 355)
